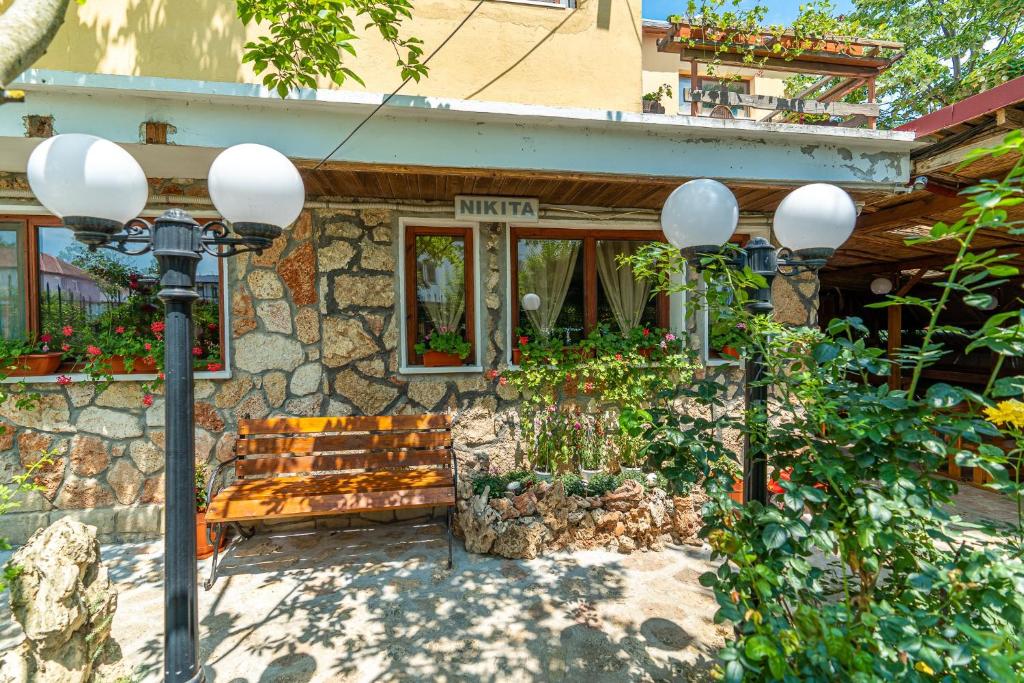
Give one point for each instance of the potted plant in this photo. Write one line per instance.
(29, 357)
(652, 100)
(592, 450)
(203, 546)
(443, 348)
(728, 337)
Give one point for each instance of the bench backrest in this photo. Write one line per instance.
(307, 445)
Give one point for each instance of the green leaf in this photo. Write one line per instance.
(758, 647)
(774, 536)
(1008, 386)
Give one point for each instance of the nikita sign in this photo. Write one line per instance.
(513, 209)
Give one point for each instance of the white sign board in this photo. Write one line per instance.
(498, 209)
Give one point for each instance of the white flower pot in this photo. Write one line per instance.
(587, 475)
(542, 475)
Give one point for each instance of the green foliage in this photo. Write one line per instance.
(308, 39)
(445, 342)
(20, 484)
(664, 90)
(573, 484)
(893, 592)
(202, 477)
(601, 483)
(498, 483)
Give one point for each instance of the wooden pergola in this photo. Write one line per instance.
(878, 246)
(844, 64)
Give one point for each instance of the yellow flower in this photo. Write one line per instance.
(1007, 413)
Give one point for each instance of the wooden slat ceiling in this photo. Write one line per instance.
(391, 182)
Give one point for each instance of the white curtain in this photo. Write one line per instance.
(546, 270)
(440, 287)
(627, 295)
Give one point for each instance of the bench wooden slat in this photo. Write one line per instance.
(371, 501)
(354, 423)
(383, 480)
(342, 442)
(349, 461)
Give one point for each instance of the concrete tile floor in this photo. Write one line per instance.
(378, 604)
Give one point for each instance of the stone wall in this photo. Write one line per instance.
(315, 331)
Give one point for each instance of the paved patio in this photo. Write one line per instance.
(377, 604)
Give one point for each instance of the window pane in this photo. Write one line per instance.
(12, 278)
(553, 270)
(440, 286)
(623, 302)
(104, 290)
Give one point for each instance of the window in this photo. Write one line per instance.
(580, 283)
(439, 293)
(49, 280)
(741, 86)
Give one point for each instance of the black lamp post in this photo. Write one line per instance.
(813, 221)
(72, 175)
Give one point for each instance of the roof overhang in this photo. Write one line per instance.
(433, 132)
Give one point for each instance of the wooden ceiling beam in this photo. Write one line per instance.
(914, 263)
(903, 213)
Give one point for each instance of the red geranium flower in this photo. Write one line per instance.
(65, 347)
(93, 351)
(160, 375)
(119, 329)
(147, 346)
(147, 400)
(647, 332)
(197, 350)
(214, 367)
(503, 380)
(63, 380)
(45, 338)
(523, 341)
(492, 374)
(157, 327)
(618, 356)
(67, 330)
(212, 326)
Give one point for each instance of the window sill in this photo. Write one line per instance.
(719, 362)
(424, 370)
(78, 377)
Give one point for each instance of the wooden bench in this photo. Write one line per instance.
(314, 466)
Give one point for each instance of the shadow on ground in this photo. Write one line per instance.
(379, 604)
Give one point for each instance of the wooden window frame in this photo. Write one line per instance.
(30, 225)
(589, 238)
(412, 231)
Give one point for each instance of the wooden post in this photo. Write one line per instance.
(872, 120)
(694, 84)
(895, 342)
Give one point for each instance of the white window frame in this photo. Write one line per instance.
(225, 303)
(676, 301)
(404, 368)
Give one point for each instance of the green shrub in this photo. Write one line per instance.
(601, 483)
(497, 482)
(574, 486)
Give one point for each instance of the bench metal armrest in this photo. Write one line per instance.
(455, 471)
(216, 476)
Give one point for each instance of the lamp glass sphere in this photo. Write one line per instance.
(253, 184)
(531, 302)
(83, 176)
(881, 285)
(700, 213)
(817, 217)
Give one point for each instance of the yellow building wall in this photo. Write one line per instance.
(666, 67)
(507, 51)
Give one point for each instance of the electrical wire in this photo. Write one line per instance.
(400, 86)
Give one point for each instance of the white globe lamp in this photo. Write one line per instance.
(531, 302)
(881, 286)
(257, 189)
(700, 216)
(815, 220)
(94, 185)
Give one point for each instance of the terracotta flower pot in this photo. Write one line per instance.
(203, 546)
(517, 356)
(439, 359)
(729, 351)
(737, 491)
(140, 366)
(34, 365)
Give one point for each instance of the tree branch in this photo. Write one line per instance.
(26, 29)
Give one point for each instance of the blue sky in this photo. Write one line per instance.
(778, 12)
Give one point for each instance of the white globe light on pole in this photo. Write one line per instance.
(881, 285)
(257, 189)
(82, 176)
(815, 219)
(700, 213)
(531, 302)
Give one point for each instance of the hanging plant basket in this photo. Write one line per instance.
(34, 365)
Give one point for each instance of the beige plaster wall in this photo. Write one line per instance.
(664, 68)
(512, 52)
